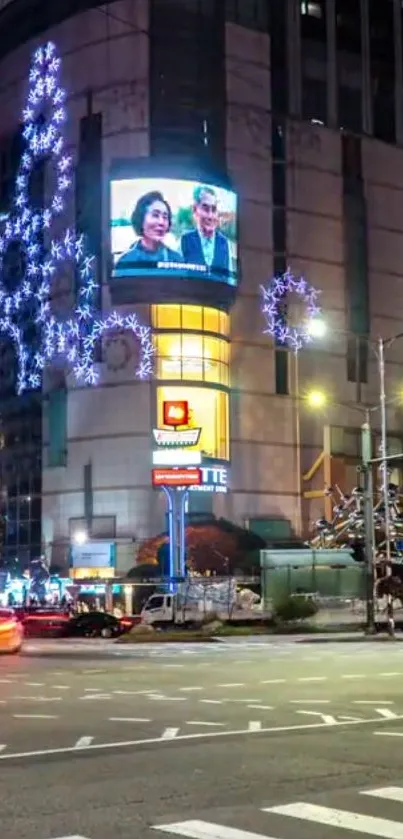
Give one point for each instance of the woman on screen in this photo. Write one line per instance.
(151, 221)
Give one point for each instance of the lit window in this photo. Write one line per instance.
(310, 8)
(208, 410)
(195, 318)
(192, 356)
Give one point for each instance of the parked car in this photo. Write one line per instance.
(11, 632)
(96, 625)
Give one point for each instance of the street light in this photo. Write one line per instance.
(80, 537)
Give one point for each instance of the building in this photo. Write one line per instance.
(296, 106)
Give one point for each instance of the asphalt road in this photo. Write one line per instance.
(99, 746)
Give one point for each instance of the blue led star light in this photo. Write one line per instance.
(274, 295)
(43, 255)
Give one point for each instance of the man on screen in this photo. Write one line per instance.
(206, 245)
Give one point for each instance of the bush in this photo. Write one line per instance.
(295, 608)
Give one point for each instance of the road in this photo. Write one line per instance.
(162, 741)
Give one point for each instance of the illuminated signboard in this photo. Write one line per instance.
(176, 413)
(213, 479)
(176, 457)
(189, 437)
(176, 477)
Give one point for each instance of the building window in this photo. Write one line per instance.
(196, 318)
(192, 356)
(313, 20)
(312, 9)
(253, 14)
(382, 69)
(208, 410)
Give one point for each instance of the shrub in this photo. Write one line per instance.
(295, 608)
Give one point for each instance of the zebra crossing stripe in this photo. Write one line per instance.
(387, 793)
(207, 830)
(342, 819)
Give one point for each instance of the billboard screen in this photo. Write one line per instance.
(173, 230)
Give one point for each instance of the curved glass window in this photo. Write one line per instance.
(208, 410)
(197, 318)
(192, 356)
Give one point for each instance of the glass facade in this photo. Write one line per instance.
(208, 410)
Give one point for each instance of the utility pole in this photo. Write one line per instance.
(366, 456)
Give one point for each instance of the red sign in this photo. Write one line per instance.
(176, 413)
(176, 477)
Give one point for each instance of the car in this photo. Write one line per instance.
(42, 622)
(95, 625)
(11, 632)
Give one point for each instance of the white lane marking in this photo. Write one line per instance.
(327, 718)
(169, 733)
(83, 742)
(388, 733)
(195, 829)
(71, 837)
(389, 674)
(242, 701)
(350, 719)
(161, 698)
(387, 793)
(135, 692)
(35, 717)
(232, 685)
(211, 701)
(254, 725)
(122, 744)
(202, 722)
(309, 701)
(2, 747)
(60, 687)
(92, 690)
(273, 682)
(34, 684)
(97, 696)
(353, 676)
(372, 702)
(190, 689)
(386, 713)
(342, 819)
(92, 671)
(173, 665)
(129, 719)
(312, 679)
(37, 698)
(262, 707)
(6, 681)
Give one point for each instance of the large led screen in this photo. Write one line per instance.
(172, 229)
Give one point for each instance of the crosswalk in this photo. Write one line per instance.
(375, 812)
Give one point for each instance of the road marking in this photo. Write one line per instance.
(83, 742)
(195, 829)
(254, 725)
(173, 665)
(129, 719)
(2, 747)
(60, 687)
(169, 733)
(262, 707)
(37, 698)
(34, 684)
(92, 690)
(161, 698)
(353, 676)
(211, 701)
(71, 837)
(327, 718)
(386, 713)
(349, 718)
(312, 679)
(198, 736)
(273, 682)
(190, 689)
(372, 702)
(97, 696)
(92, 671)
(342, 819)
(310, 701)
(388, 733)
(6, 681)
(389, 674)
(201, 722)
(387, 793)
(35, 717)
(232, 685)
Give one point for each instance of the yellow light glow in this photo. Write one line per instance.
(208, 410)
(316, 398)
(92, 573)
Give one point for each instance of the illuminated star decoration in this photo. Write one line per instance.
(274, 294)
(30, 228)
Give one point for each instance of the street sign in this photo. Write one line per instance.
(176, 477)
